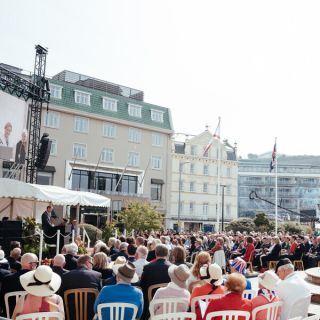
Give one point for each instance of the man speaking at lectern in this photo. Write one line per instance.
(50, 225)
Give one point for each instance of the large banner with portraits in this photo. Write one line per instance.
(13, 128)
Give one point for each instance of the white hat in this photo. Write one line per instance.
(2, 258)
(212, 272)
(41, 282)
(268, 280)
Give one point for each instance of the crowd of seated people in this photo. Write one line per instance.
(123, 270)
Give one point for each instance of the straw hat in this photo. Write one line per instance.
(41, 282)
(2, 258)
(114, 265)
(212, 272)
(179, 275)
(268, 280)
(127, 272)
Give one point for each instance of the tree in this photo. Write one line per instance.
(140, 216)
(241, 225)
(262, 223)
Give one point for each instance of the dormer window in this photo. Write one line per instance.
(82, 97)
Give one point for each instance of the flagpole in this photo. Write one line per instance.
(276, 189)
(219, 176)
(218, 204)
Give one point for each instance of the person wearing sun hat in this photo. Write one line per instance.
(122, 292)
(212, 275)
(266, 294)
(176, 288)
(239, 265)
(41, 285)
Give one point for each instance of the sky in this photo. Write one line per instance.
(256, 64)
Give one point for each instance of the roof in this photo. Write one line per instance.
(96, 107)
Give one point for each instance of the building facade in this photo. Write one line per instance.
(107, 140)
(298, 188)
(195, 183)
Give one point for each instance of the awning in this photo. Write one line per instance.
(157, 181)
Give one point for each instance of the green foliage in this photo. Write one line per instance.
(31, 242)
(141, 216)
(295, 228)
(241, 224)
(262, 223)
(108, 231)
(93, 232)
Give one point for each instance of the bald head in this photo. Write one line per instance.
(59, 260)
(29, 261)
(15, 253)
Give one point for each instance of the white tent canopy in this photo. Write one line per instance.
(20, 191)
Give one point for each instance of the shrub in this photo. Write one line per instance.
(241, 225)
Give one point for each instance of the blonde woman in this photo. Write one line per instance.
(100, 264)
(203, 258)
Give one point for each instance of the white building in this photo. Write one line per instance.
(199, 183)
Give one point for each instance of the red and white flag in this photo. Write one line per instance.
(216, 135)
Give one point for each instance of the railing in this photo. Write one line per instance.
(85, 237)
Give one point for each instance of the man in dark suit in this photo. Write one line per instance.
(11, 283)
(154, 273)
(82, 277)
(59, 262)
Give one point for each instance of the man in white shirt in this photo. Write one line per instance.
(141, 259)
(5, 139)
(291, 290)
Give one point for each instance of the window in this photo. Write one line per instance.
(193, 150)
(228, 189)
(134, 110)
(109, 130)
(134, 135)
(156, 191)
(156, 115)
(81, 124)
(228, 210)
(134, 159)
(109, 104)
(192, 186)
(79, 151)
(191, 168)
(228, 172)
(156, 139)
(191, 207)
(181, 186)
(55, 91)
(129, 184)
(205, 187)
(80, 179)
(156, 162)
(53, 150)
(82, 97)
(45, 178)
(52, 119)
(107, 155)
(205, 170)
(181, 206)
(205, 208)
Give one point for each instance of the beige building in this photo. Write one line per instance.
(197, 175)
(106, 139)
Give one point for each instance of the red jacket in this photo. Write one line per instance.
(231, 301)
(249, 250)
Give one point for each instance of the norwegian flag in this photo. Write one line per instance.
(216, 135)
(273, 157)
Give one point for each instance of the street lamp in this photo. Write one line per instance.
(181, 164)
(222, 211)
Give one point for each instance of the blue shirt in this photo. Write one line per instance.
(124, 293)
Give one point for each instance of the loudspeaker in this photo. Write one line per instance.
(43, 152)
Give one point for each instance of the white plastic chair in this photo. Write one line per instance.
(7, 296)
(41, 316)
(169, 305)
(220, 258)
(117, 310)
(229, 315)
(271, 310)
(314, 317)
(249, 294)
(205, 298)
(175, 316)
(300, 307)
